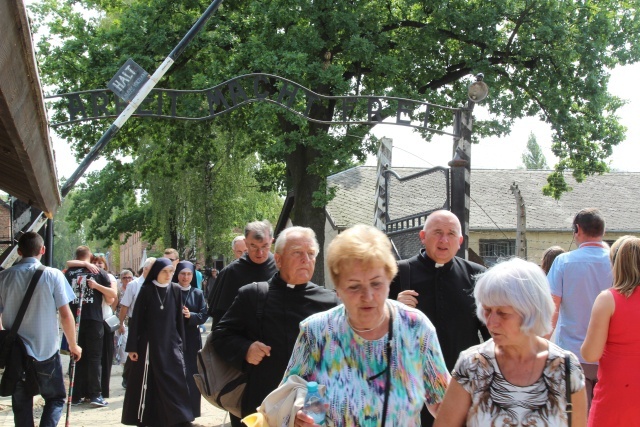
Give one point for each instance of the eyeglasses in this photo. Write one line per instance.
(264, 248)
(126, 278)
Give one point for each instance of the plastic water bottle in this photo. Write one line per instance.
(314, 404)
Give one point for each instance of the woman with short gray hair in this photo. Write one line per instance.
(517, 377)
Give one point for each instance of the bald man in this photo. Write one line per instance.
(440, 284)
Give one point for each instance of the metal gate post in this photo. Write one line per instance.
(461, 173)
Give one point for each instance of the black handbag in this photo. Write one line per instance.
(13, 353)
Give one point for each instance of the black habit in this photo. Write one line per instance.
(193, 299)
(284, 309)
(161, 331)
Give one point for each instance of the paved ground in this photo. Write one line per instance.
(87, 416)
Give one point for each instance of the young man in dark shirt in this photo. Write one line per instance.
(96, 286)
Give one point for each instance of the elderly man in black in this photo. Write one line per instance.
(440, 285)
(263, 346)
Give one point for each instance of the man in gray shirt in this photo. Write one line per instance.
(39, 328)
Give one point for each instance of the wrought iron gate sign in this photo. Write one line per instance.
(198, 105)
(128, 80)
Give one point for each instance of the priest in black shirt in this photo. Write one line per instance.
(262, 347)
(257, 265)
(440, 285)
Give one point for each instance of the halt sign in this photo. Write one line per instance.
(128, 80)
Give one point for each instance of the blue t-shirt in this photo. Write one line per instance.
(578, 277)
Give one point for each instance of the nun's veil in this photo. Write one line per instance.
(159, 265)
(181, 266)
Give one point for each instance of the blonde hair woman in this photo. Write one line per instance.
(379, 359)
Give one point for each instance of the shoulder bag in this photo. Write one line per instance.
(567, 385)
(220, 383)
(13, 354)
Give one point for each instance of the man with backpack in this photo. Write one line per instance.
(258, 332)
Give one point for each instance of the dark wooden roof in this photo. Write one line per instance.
(27, 166)
(493, 205)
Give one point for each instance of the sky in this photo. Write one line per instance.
(410, 150)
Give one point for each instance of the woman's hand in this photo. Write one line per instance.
(133, 356)
(303, 420)
(186, 312)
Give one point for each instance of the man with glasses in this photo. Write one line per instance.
(257, 265)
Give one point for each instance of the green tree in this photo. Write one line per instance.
(67, 238)
(534, 158)
(543, 58)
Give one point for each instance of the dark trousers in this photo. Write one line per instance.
(235, 421)
(51, 383)
(107, 360)
(89, 367)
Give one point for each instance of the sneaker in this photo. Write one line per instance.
(99, 402)
(76, 402)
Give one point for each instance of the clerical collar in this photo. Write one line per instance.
(160, 285)
(431, 263)
(278, 279)
(185, 289)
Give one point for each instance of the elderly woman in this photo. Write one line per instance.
(516, 378)
(613, 339)
(379, 359)
(194, 310)
(157, 393)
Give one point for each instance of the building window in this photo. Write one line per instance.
(492, 251)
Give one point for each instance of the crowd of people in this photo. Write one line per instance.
(431, 340)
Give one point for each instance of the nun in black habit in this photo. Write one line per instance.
(194, 310)
(157, 392)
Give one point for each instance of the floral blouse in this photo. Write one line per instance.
(496, 402)
(352, 368)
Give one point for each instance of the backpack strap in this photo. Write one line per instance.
(567, 384)
(405, 275)
(261, 293)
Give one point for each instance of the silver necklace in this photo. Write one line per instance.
(367, 330)
(161, 300)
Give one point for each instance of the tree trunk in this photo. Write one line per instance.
(304, 185)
